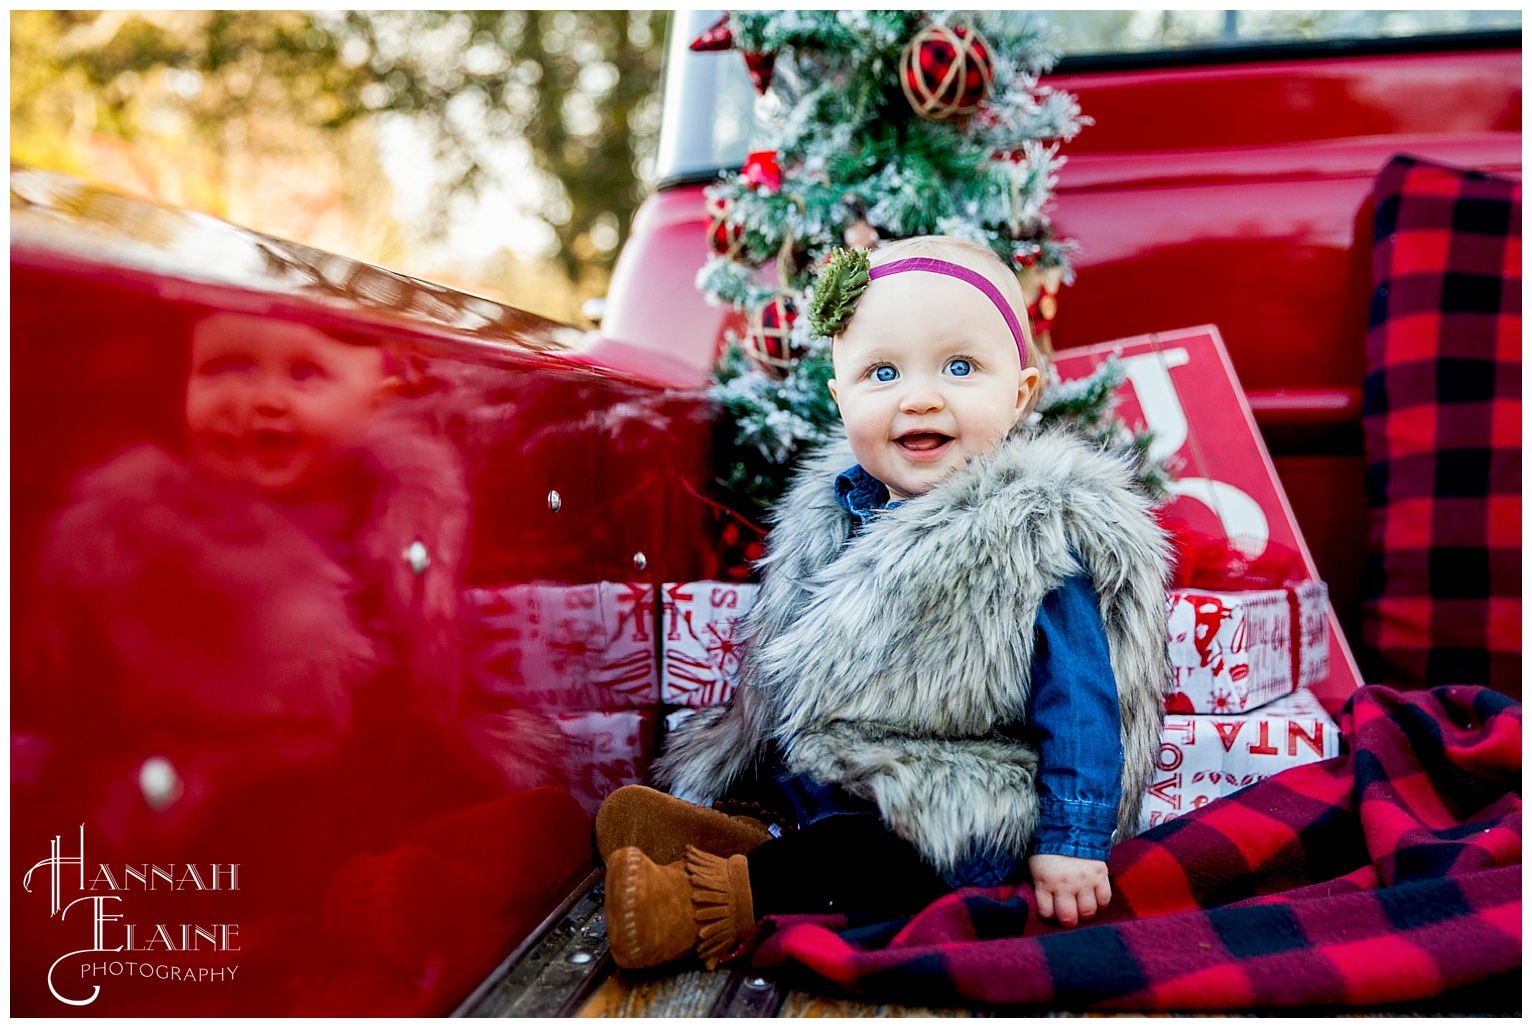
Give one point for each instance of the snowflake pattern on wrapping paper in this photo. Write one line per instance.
(558, 647)
(701, 641)
(1225, 702)
(724, 650)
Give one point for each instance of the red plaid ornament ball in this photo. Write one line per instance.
(768, 336)
(946, 72)
(724, 237)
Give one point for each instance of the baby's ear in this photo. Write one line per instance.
(1031, 378)
(834, 395)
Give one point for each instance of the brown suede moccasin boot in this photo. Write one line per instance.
(656, 913)
(663, 826)
(721, 898)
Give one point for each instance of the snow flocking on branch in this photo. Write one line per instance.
(851, 148)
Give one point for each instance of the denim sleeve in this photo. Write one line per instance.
(1075, 723)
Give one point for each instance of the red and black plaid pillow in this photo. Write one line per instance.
(1441, 415)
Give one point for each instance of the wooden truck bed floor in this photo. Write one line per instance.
(566, 970)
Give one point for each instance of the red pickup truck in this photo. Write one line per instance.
(1228, 186)
(335, 591)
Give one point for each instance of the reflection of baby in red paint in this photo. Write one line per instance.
(271, 403)
(276, 618)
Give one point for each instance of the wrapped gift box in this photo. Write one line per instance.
(558, 647)
(1205, 756)
(700, 640)
(607, 749)
(1181, 386)
(1311, 601)
(1232, 651)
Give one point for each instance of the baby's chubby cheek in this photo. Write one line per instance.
(213, 412)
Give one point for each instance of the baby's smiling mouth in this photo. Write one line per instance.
(922, 442)
(270, 445)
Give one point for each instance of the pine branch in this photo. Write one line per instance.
(851, 148)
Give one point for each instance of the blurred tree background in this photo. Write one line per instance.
(501, 151)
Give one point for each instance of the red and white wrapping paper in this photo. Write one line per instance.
(1205, 756)
(559, 647)
(1232, 651)
(1311, 603)
(700, 640)
(607, 750)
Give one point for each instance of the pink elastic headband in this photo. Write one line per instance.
(973, 278)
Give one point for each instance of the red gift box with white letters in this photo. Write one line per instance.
(1205, 756)
(1181, 386)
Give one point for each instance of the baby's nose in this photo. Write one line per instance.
(921, 396)
(270, 396)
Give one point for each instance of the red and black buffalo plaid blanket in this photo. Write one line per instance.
(1390, 874)
(1441, 423)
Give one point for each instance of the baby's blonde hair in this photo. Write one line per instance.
(981, 259)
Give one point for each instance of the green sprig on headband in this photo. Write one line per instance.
(840, 285)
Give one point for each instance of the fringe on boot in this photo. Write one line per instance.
(721, 902)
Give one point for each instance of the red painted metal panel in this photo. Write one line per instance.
(1271, 103)
(289, 594)
(653, 301)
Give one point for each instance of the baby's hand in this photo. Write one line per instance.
(1070, 889)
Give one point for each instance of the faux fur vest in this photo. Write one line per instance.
(882, 662)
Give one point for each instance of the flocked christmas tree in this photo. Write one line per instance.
(887, 124)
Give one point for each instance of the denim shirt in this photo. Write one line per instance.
(1073, 698)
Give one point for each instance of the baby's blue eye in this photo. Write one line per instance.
(959, 367)
(885, 373)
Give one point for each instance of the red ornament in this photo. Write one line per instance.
(762, 171)
(1042, 284)
(768, 338)
(946, 72)
(1045, 308)
(718, 37)
(760, 66)
(724, 237)
(1026, 254)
